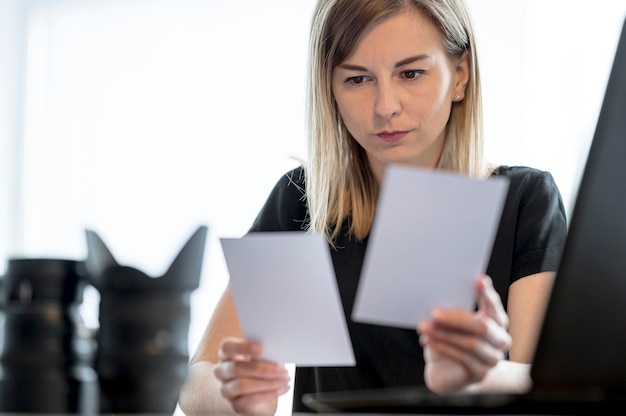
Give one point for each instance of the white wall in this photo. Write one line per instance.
(545, 68)
(11, 69)
(142, 119)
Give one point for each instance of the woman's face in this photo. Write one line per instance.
(395, 91)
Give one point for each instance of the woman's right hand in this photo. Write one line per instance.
(251, 384)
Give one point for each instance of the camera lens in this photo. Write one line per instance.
(46, 352)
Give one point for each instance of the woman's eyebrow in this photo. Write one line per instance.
(412, 59)
(398, 64)
(351, 67)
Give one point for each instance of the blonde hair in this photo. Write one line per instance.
(340, 188)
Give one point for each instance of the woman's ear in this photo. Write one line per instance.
(462, 71)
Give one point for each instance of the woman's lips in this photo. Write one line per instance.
(392, 136)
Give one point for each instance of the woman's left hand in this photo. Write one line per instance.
(460, 347)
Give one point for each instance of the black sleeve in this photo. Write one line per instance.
(542, 227)
(532, 229)
(285, 207)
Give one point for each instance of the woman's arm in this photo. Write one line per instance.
(528, 299)
(201, 394)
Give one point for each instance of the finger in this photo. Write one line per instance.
(490, 303)
(457, 326)
(458, 320)
(232, 348)
(257, 404)
(498, 335)
(476, 368)
(239, 387)
(258, 369)
(466, 345)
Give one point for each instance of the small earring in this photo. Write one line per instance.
(457, 97)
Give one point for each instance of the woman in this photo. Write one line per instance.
(394, 81)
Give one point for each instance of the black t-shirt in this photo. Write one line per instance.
(529, 240)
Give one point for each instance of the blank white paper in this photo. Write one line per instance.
(286, 295)
(432, 237)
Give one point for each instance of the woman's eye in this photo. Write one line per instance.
(360, 79)
(412, 73)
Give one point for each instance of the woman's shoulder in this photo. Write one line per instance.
(290, 183)
(285, 207)
(531, 188)
(293, 177)
(289, 187)
(517, 171)
(526, 177)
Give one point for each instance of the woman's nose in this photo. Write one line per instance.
(387, 101)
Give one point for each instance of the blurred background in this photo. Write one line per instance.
(143, 119)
